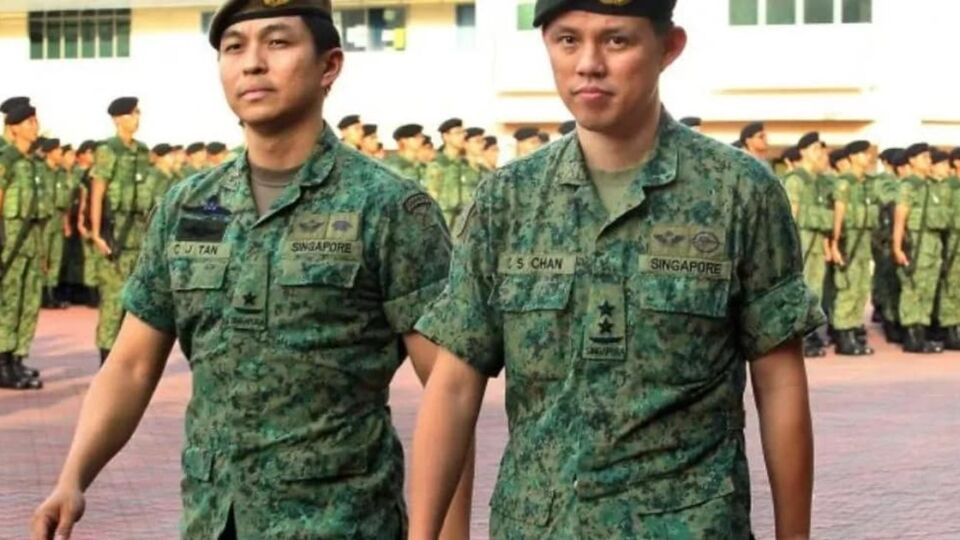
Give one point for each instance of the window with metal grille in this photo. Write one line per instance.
(89, 33)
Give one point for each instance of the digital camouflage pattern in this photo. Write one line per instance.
(292, 325)
(24, 206)
(159, 183)
(128, 197)
(625, 337)
(923, 246)
(949, 314)
(863, 198)
(811, 195)
(406, 168)
(886, 284)
(57, 189)
(444, 181)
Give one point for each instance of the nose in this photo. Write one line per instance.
(254, 62)
(590, 63)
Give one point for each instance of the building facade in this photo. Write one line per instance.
(851, 68)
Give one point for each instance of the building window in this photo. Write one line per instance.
(525, 12)
(101, 33)
(206, 18)
(373, 29)
(466, 25)
(788, 12)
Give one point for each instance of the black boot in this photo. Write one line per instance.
(93, 300)
(915, 341)
(812, 347)
(8, 375)
(847, 344)
(861, 335)
(936, 343)
(58, 296)
(953, 338)
(27, 370)
(46, 299)
(104, 353)
(893, 332)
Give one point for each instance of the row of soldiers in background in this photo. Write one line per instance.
(451, 172)
(892, 234)
(53, 197)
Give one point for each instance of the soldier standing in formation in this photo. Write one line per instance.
(409, 138)
(444, 176)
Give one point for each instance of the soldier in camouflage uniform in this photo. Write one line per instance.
(886, 285)
(196, 160)
(950, 282)
(120, 201)
(23, 208)
(427, 153)
(753, 138)
(810, 193)
(217, 153)
(625, 315)
(351, 130)
(444, 177)
(856, 215)
(404, 162)
(528, 141)
(8, 105)
(294, 306)
(160, 176)
(370, 142)
(921, 216)
(91, 256)
(58, 191)
(491, 153)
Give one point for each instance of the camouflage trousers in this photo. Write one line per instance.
(853, 290)
(53, 249)
(112, 276)
(886, 284)
(815, 262)
(918, 284)
(91, 264)
(20, 304)
(950, 286)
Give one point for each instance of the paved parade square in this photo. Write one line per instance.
(887, 444)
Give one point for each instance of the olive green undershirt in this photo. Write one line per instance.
(612, 186)
(268, 184)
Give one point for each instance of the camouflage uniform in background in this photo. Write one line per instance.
(409, 169)
(292, 325)
(923, 244)
(25, 205)
(58, 190)
(950, 283)
(811, 194)
(626, 337)
(852, 281)
(886, 285)
(128, 199)
(444, 179)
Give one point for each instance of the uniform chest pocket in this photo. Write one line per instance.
(197, 274)
(303, 272)
(536, 335)
(683, 294)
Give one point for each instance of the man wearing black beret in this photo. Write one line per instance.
(528, 140)
(753, 137)
(351, 130)
(409, 139)
(196, 159)
(8, 105)
(950, 283)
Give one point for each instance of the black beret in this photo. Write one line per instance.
(162, 149)
(489, 141)
(898, 158)
(808, 139)
(348, 121)
(691, 121)
(915, 150)
(11, 103)
(177, 147)
(791, 154)
(955, 154)
(447, 125)
(837, 155)
(87, 146)
(234, 11)
(856, 147)
(525, 133)
(406, 131)
(427, 140)
(938, 156)
(657, 10)
(196, 147)
(369, 129)
(49, 145)
(123, 105)
(475, 132)
(18, 114)
(67, 148)
(887, 154)
(750, 130)
(567, 127)
(216, 147)
(544, 137)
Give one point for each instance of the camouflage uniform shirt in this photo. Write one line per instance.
(624, 337)
(292, 324)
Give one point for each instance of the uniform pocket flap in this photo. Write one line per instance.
(312, 464)
(197, 274)
(525, 504)
(303, 271)
(197, 463)
(534, 292)
(682, 294)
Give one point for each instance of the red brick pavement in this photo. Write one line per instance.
(887, 428)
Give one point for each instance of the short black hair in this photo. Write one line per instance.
(325, 34)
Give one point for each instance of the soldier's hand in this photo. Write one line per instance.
(57, 514)
(838, 257)
(102, 246)
(67, 231)
(901, 258)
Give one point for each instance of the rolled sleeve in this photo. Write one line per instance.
(147, 294)
(777, 306)
(462, 320)
(414, 259)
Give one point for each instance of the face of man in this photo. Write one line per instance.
(69, 159)
(353, 134)
(455, 138)
(412, 144)
(474, 146)
(370, 144)
(199, 158)
(55, 157)
(426, 154)
(843, 165)
(940, 170)
(920, 164)
(491, 156)
(128, 123)
(758, 143)
(607, 68)
(860, 160)
(528, 146)
(956, 167)
(271, 72)
(85, 159)
(27, 130)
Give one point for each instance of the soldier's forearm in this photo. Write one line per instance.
(839, 212)
(97, 189)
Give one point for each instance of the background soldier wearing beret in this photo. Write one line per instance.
(625, 314)
(528, 140)
(119, 203)
(409, 138)
(950, 282)
(196, 160)
(370, 142)
(292, 278)
(753, 137)
(491, 152)
(351, 130)
(57, 191)
(444, 176)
